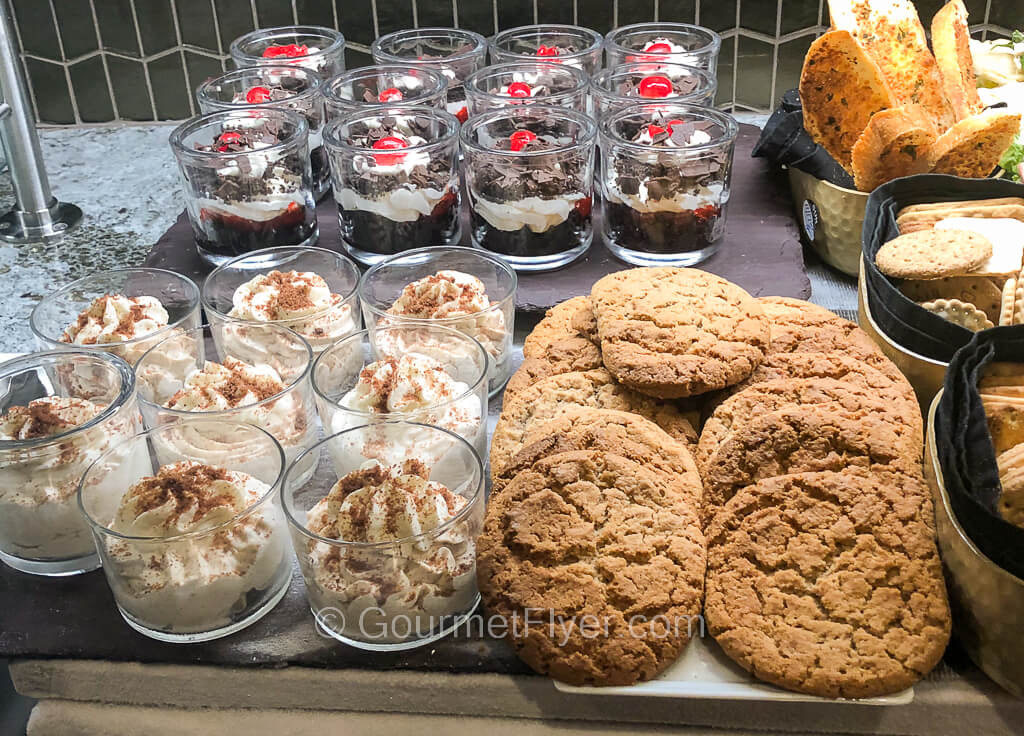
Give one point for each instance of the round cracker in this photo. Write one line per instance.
(933, 254)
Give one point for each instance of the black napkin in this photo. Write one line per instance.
(902, 320)
(784, 142)
(965, 450)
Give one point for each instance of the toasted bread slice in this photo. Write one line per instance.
(840, 89)
(973, 146)
(892, 35)
(951, 44)
(894, 144)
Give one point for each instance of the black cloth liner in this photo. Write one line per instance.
(785, 142)
(899, 317)
(965, 450)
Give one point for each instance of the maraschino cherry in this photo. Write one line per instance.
(389, 143)
(519, 140)
(655, 86)
(547, 50)
(659, 48)
(519, 89)
(289, 50)
(390, 94)
(257, 95)
(226, 138)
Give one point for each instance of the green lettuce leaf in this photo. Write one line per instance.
(1013, 158)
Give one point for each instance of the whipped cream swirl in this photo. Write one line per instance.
(114, 318)
(302, 301)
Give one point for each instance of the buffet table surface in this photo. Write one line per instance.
(93, 674)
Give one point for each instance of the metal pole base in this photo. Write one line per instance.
(18, 226)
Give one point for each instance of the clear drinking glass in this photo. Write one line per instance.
(319, 49)
(248, 181)
(490, 319)
(641, 82)
(250, 289)
(456, 53)
(570, 45)
(271, 388)
(199, 572)
(82, 300)
(385, 593)
(665, 203)
(396, 179)
(417, 373)
(669, 43)
(386, 85)
(530, 176)
(42, 461)
(526, 83)
(279, 86)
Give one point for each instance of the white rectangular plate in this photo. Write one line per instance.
(705, 672)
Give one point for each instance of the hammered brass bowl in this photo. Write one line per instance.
(987, 601)
(830, 218)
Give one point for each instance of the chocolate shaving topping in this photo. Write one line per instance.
(185, 485)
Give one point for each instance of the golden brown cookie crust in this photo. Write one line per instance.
(558, 324)
(829, 583)
(675, 332)
(801, 327)
(616, 432)
(761, 398)
(805, 438)
(551, 397)
(593, 534)
(566, 355)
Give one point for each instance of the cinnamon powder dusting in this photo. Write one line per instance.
(182, 484)
(424, 304)
(235, 389)
(292, 293)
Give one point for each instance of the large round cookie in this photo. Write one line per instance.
(616, 432)
(550, 398)
(596, 539)
(561, 321)
(803, 438)
(799, 326)
(565, 355)
(762, 398)
(675, 332)
(829, 583)
(880, 375)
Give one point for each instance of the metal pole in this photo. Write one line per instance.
(36, 215)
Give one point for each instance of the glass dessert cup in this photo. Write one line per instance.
(377, 589)
(319, 49)
(570, 45)
(385, 85)
(669, 43)
(248, 181)
(644, 82)
(279, 86)
(396, 180)
(213, 557)
(57, 312)
(665, 176)
(245, 290)
(526, 83)
(529, 175)
(395, 291)
(456, 53)
(59, 411)
(261, 377)
(424, 374)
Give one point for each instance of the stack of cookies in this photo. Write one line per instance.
(961, 260)
(823, 573)
(800, 504)
(1002, 395)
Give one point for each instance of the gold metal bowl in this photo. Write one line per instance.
(987, 601)
(830, 218)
